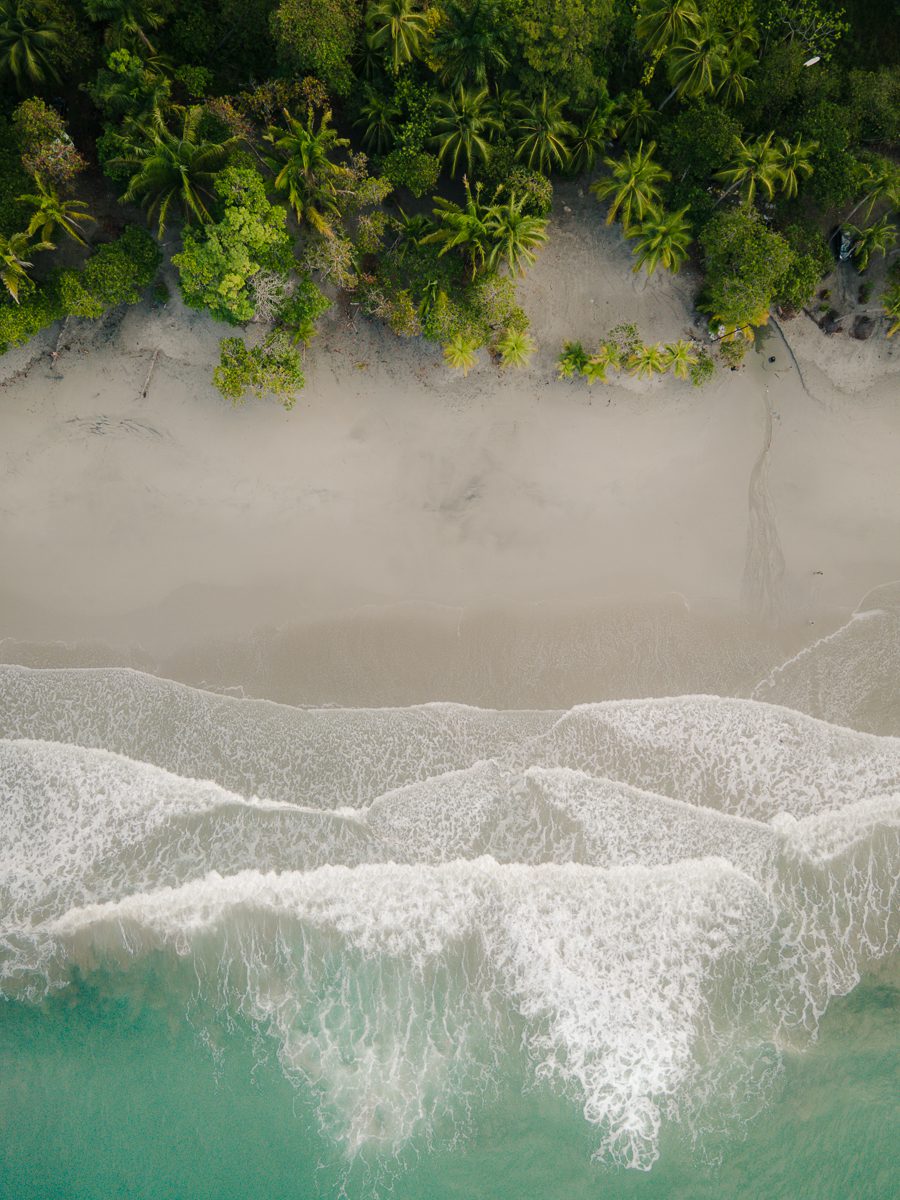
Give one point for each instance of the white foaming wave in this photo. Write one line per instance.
(613, 978)
(762, 845)
(741, 756)
(557, 814)
(325, 757)
(82, 825)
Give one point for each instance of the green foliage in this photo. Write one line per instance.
(535, 190)
(797, 286)
(47, 149)
(174, 167)
(415, 170)
(31, 41)
(464, 123)
(305, 169)
(13, 182)
(874, 99)
(698, 141)
(562, 41)
(397, 29)
(461, 352)
(572, 360)
(469, 42)
(38, 307)
(542, 134)
(634, 186)
(273, 368)
(817, 27)
(662, 239)
(302, 309)
(221, 262)
(744, 264)
(515, 348)
(116, 273)
(50, 211)
(703, 369)
(129, 87)
(318, 37)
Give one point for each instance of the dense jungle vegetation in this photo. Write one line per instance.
(405, 152)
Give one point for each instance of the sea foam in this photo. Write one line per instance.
(627, 900)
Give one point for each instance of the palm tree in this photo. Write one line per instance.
(735, 82)
(662, 22)
(410, 231)
(463, 122)
(304, 170)
(695, 63)
(664, 240)
(51, 211)
(380, 115)
(882, 183)
(462, 227)
(571, 361)
(795, 163)
(13, 263)
(398, 27)
(515, 348)
(467, 43)
(461, 352)
(634, 117)
(756, 164)
(173, 167)
(877, 238)
(505, 106)
(541, 133)
(29, 33)
(591, 138)
(126, 19)
(634, 184)
(606, 358)
(514, 235)
(647, 361)
(680, 356)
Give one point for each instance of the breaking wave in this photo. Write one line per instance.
(642, 903)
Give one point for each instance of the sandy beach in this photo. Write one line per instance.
(484, 513)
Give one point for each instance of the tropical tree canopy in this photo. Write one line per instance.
(633, 185)
(304, 169)
(662, 239)
(398, 29)
(463, 124)
(542, 134)
(174, 167)
(29, 34)
(468, 43)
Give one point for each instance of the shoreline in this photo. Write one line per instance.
(141, 503)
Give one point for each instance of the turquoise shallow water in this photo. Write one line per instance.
(118, 1098)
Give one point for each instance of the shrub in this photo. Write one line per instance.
(116, 273)
(318, 37)
(274, 368)
(38, 307)
(221, 263)
(703, 369)
(47, 149)
(299, 313)
(535, 187)
(413, 169)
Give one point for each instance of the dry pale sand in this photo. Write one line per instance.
(405, 533)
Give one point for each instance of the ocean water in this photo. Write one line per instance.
(635, 948)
